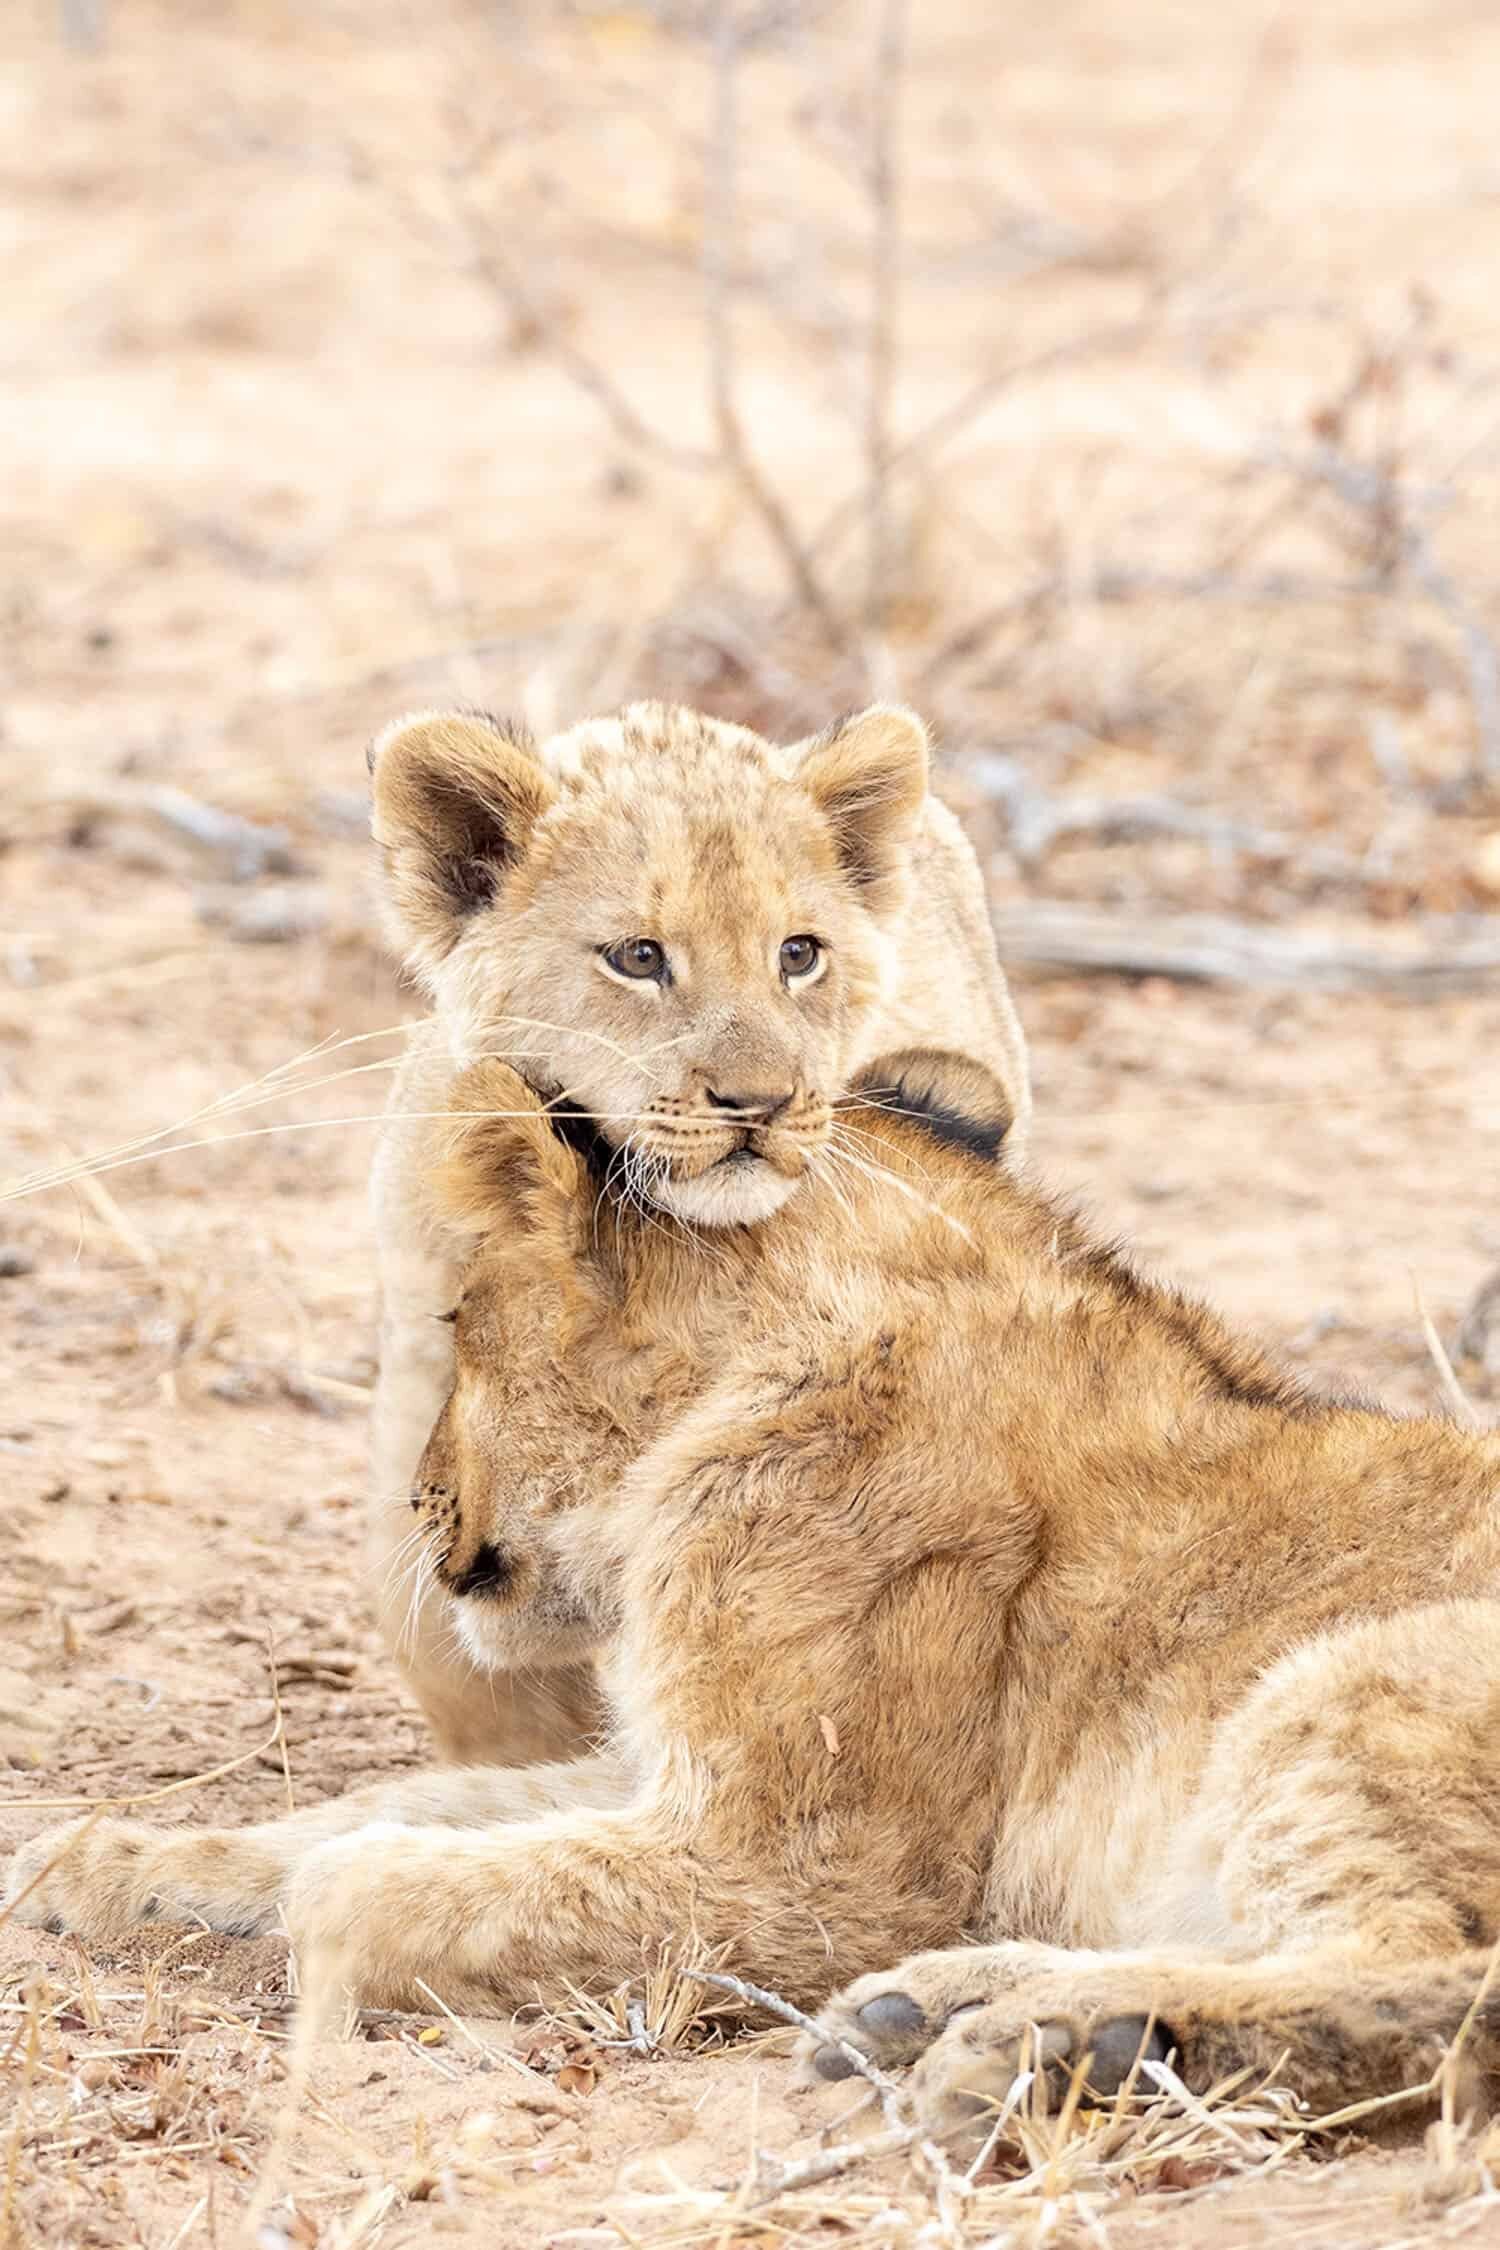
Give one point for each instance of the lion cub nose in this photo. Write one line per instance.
(487, 1573)
(762, 1107)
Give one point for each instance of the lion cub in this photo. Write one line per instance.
(947, 1579)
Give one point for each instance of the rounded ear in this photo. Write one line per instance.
(456, 796)
(952, 1097)
(504, 1163)
(868, 776)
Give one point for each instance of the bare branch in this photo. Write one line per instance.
(1460, 1407)
(719, 236)
(1110, 584)
(1380, 496)
(933, 435)
(890, 56)
(505, 281)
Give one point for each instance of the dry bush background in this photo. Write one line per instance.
(1120, 385)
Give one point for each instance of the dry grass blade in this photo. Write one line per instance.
(1455, 1398)
(147, 1796)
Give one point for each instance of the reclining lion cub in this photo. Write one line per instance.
(949, 1580)
(699, 937)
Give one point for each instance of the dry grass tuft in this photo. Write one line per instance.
(670, 2010)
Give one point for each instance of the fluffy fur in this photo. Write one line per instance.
(508, 866)
(950, 1580)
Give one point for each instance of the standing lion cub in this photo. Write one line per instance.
(950, 1580)
(681, 926)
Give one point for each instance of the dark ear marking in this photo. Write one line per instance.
(958, 1101)
(456, 797)
(868, 776)
(578, 1131)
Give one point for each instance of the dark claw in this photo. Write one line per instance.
(1115, 2046)
(832, 2062)
(892, 2015)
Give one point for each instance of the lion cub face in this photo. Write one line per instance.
(680, 928)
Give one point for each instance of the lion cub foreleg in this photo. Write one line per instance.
(487, 1919)
(103, 1877)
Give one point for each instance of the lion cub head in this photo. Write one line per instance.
(679, 927)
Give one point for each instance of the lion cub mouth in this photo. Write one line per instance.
(738, 1188)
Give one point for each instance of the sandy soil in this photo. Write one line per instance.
(276, 459)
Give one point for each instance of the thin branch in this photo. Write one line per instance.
(890, 56)
(1110, 584)
(719, 237)
(892, 2100)
(1036, 819)
(505, 280)
(1376, 494)
(1197, 948)
(933, 435)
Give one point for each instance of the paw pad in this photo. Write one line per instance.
(1115, 2046)
(892, 2014)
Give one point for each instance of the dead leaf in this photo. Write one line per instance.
(577, 2078)
(1182, 2173)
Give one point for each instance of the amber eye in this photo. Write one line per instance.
(799, 957)
(638, 957)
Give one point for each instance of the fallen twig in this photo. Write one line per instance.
(251, 848)
(892, 2101)
(1198, 948)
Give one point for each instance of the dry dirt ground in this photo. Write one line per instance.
(290, 440)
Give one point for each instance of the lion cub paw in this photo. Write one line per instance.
(976, 2069)
(101, 1878)
(973, 2018)
(81, 1876)
(895, 2015)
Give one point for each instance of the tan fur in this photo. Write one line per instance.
(951, 1582)
(506, 863)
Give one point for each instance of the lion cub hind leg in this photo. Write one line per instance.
(1353, 1799)
(1347, 1837)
